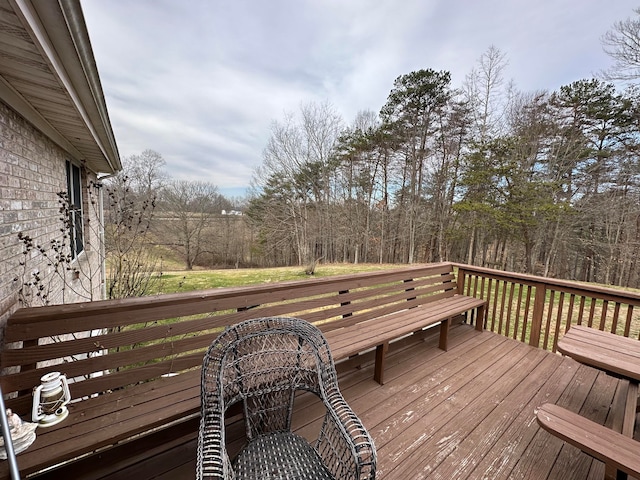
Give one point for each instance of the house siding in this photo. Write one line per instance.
(32, 173)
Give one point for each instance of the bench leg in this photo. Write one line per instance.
(444, 334)
(612, 474)
(630, 410)
(624, 406)
(381, 352)
(480, 318)
(627, 423)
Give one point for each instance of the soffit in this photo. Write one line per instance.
(48, 75)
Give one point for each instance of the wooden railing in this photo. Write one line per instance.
(141, 339)
(123, 355)
(539, 310)
(134, 364)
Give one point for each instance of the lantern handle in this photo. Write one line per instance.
(65, 388)
(36, 414)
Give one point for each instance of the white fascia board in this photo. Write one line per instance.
(42, 39)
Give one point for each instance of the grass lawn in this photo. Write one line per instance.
(185, 281)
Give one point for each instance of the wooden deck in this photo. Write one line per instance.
(465, 413)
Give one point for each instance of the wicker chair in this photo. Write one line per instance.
(262, 363)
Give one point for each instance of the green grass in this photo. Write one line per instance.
(185, 281)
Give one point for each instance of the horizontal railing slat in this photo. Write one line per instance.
(114, 360)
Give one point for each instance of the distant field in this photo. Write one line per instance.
(185, 281)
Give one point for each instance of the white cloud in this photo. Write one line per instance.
(201, 81)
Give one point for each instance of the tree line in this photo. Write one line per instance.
(544, 182)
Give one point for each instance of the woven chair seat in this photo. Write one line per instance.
(280, 456)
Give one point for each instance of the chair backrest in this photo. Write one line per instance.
(262, 363)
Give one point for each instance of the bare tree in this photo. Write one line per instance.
(187, 209)
(622, 43)
(295, 182)
(129, 202)
(116, 234)
(145, 172)
(486, 96)
(486, 92)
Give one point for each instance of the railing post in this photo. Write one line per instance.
(538, 311)
(460, 281)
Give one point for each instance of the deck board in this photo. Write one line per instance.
(465, 413)
(513, 440)
(484, 439)
(418, 441)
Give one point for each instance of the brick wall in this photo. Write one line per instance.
(32, 172)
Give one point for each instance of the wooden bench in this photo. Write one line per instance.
(617, 451)
(611, 353)
(358, 336)
(618, 356)
(134, 364)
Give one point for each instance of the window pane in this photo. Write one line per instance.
(74, 192)
(77, 198)
(79, 241)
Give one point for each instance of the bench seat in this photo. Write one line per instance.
(606, 351)
(359, 337)
(107, 419)
(618, 356)
(616, 450)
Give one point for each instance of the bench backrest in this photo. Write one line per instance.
(108, 345)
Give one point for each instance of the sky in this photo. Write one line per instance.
(202, 81)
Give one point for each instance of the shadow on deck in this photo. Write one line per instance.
(465, 413)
